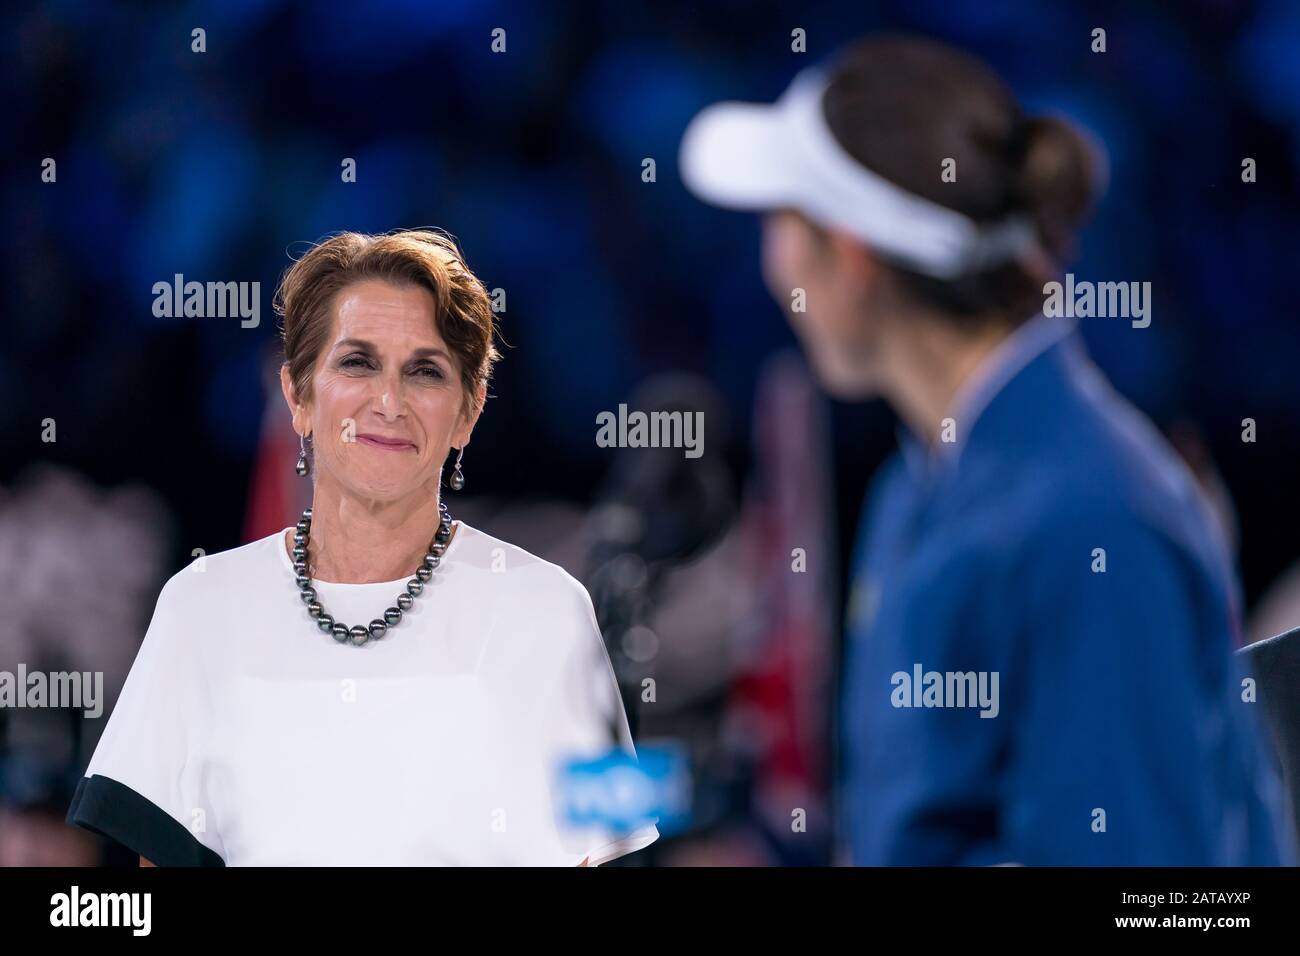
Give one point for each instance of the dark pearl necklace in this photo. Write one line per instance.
(361, 633)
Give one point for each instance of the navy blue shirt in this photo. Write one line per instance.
(1039, 662)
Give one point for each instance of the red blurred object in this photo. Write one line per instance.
(277, 494)
(783, 686)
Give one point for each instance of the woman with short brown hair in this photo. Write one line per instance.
(380, 684)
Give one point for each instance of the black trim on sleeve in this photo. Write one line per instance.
(112, 809)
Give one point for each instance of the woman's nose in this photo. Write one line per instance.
(389, 397)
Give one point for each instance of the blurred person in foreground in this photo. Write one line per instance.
(1038, 661)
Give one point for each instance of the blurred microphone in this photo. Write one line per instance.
(658, 503)
(657, 508)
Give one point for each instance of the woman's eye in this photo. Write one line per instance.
(358, 361)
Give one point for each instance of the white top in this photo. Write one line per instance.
(271, 744)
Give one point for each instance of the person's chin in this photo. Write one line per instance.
(845, 383)
(385, 487)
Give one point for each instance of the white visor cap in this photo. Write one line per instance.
(760, 156)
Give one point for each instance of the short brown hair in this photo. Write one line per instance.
(420, 257)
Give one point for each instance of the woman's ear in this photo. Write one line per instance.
(290, 397)
(462, 436)
(852, 256)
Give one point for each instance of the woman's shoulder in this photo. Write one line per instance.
(186, 625)
(245, 567)
(526, 579)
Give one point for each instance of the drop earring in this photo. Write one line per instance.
(457, 481)
(302, 467)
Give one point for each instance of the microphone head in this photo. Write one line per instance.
(657, 502)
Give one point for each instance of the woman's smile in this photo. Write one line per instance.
(388, 444)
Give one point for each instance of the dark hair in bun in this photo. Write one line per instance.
(901, 105)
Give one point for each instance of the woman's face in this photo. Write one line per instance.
(387, 402)
(836, 322)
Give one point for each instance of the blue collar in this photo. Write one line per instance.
(989, 379)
